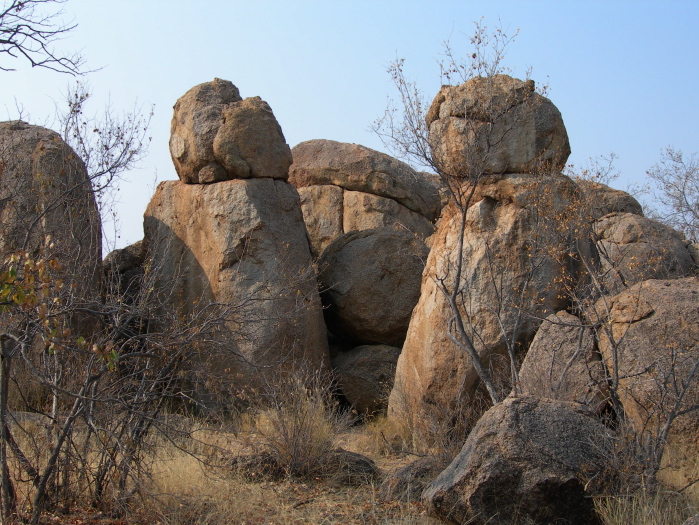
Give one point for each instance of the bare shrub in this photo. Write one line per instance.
(296, 420)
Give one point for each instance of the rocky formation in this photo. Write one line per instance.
(240, 243)
(233, 256)
(216, 136)
(47, 206)
(654, 328)
(496, 125)
(633, 248)
(501, 278)
(563, 363)
(370, 281)
(347, 187)
(365, 376)
(526, 457)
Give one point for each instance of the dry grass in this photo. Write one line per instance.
(189, 492)
(644, 508)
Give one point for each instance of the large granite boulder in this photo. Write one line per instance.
(347, 187)
(634, 248)
(563, 363)
(357, 168)
(370, 282)
(502, 276)
(652, 331)
(525, 458)
(239, 248)
(365, 376)
(47, 206)
(216, 135)
(497, 125)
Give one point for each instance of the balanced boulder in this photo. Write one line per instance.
(497, 125)
(215, 135)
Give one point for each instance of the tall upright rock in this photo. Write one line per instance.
(504, 288)
(506, 273)
(230, 238)
(47, 206)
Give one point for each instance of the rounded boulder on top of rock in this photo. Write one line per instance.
(215, 135)
(502, 122)
(358, 168)
(371, 283)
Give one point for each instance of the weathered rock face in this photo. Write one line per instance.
(633, 248)
(240, 243)
(47, 205)
(322, 208)
(216, 135)
(655, 328)
(526, 457)
(371, 282)
(365, 376)
(602, 200)
(502, 122)
(563, 363)
(501, 277)
(357, 168)
(347, 187)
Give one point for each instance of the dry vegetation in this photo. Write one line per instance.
(191, 480)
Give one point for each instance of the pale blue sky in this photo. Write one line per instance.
(623, 74)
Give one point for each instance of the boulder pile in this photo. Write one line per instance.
(231, 233)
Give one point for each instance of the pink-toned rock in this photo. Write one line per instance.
(364, 211)
(358, 168)
(322, 207)
(633, 248)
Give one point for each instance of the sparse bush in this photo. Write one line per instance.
(296, 421)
